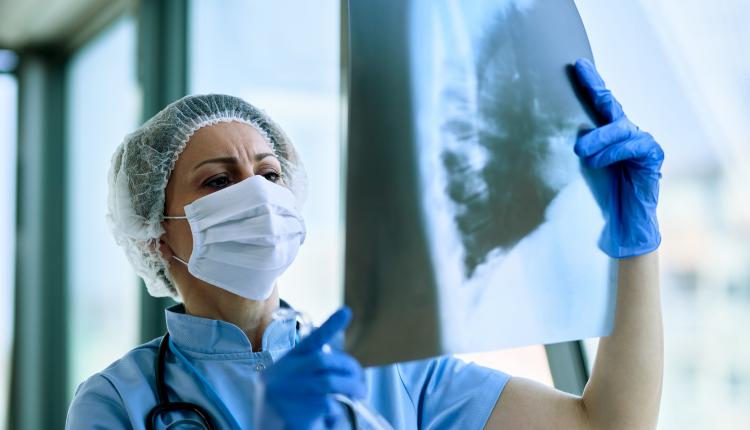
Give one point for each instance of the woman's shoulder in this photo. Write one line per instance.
(132, 368)
(101, 398)
(139, 360)
(433, 387)
(448, 374)
(421, 374)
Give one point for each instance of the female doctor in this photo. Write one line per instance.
(204, 198)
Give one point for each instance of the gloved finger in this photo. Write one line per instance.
(336, 363)
(601, 137)
(306, 408)
(336, 413)
(642, 148)
(334, 384)
(323, 334)
(313, 364)
(337, 342)
(604, 103)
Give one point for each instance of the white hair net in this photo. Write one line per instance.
(143, 162)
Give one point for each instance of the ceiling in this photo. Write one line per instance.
(34, 23)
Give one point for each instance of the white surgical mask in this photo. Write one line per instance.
(244, 236)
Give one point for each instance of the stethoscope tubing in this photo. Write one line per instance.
(163, 404)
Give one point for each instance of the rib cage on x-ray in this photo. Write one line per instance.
(484, 82)
(463, 191)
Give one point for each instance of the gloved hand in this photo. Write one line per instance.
(627, 186)
(297, 387)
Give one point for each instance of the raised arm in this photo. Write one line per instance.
(624, 390)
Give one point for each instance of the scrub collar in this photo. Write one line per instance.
(209, 336)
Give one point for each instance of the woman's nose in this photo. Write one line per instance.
(245, 172)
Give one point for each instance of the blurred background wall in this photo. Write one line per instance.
(77, 75)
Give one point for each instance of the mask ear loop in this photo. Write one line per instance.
(176, 217)
(180, 260)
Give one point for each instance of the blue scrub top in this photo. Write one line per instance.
(211, 363)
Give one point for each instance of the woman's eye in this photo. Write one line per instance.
(272, 176)
(218, 182)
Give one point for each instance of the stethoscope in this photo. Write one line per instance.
(165, 406)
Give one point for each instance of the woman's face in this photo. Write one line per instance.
(215, 157)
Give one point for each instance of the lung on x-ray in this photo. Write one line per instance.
(469, 226)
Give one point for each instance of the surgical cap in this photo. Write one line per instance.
(143, 162)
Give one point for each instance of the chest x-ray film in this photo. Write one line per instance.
(469, 226)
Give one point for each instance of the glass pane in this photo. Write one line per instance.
(295, 78)
(8, 105)
(103, 104)
(682, 74)
(527, 362)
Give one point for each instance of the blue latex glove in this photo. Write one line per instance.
(627, 186)
(297, 387)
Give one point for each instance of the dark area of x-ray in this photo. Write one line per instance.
(505, 199)
(481, 137)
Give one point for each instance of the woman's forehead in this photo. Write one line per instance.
(225, 139)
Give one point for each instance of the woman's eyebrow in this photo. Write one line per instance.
(222, 160)
(233, 160)
(263, 155)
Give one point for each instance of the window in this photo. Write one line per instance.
(8, 104)
(102, 105)
(527, 362)
(681, 73)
